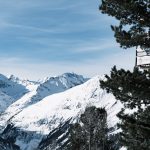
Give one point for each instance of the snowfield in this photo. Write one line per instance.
(69, 104)
(51, 103)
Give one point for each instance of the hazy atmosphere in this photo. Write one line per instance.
(44, 38)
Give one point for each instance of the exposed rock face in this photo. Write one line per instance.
(57, 139)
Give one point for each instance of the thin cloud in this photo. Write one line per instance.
(97, 46)
(41, 38)
(34, 70)
(11, 25)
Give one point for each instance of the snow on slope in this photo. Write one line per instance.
(11, 88)
(30, 85)
(52, 102)
(39, 90)
(49, 113)
(10, 91)
(5, 101)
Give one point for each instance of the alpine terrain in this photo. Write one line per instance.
(35, 115)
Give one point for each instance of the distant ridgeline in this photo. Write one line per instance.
(142, 59)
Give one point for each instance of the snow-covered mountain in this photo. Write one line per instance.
(24, 82)
(10, 91)
(37, 91)
(47, 109)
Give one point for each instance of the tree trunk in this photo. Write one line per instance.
(90, 142)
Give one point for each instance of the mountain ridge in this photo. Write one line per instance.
(47, 112)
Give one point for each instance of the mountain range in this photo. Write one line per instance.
(35, 115)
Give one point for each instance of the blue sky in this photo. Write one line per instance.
(40, 38)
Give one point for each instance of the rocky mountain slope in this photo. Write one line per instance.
(43, 114)
(9, 92)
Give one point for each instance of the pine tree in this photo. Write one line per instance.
(133, 90)
(77, 137)
(92, 134)
(95, 125)
(135, 129)
(134, 21)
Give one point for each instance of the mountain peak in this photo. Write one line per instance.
(42, 108)
(71, 74)
(13, 78)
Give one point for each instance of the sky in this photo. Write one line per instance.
(41, 38)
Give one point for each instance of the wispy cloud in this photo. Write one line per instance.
(97, 46)
(41, 38)
(34, 70)
(25, 27)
